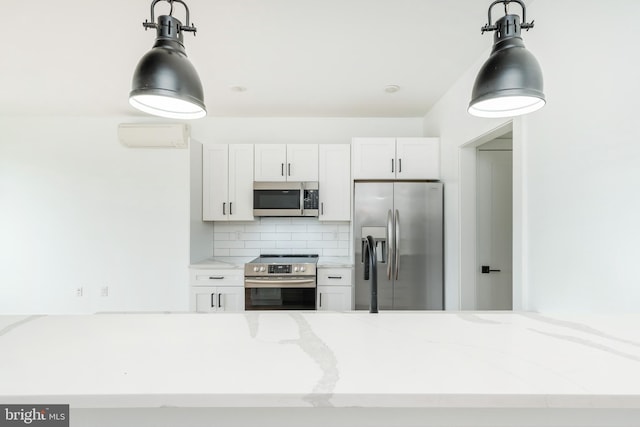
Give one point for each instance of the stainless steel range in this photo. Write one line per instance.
(281, 282)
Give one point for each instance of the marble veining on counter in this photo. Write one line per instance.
(323, 359)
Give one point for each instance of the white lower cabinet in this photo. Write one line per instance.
(208, 299)
(335, 289)
(214, 291)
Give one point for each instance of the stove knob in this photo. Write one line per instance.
(302, 268)
(263, 268)
(295, 269)
(256, 269)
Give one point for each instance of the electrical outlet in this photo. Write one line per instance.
(79, 291)
(104, 291)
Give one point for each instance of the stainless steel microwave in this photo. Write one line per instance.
(285, 199)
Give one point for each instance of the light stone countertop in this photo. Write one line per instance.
(226, 263)
(222, 263)
(322, 359)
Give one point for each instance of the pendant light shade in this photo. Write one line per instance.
(510, 82)
(165, 83)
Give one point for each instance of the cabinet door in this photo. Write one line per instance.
(374, 158)
(418, 158)
(240, 182)
(230, 299)
(334, 298)
(204, 299)
(270, 162)
(334, 178)
(302, 162)
(215, 182)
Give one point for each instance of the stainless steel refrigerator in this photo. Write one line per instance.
(405, 218)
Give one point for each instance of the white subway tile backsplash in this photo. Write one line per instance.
(330, 236)
(335, 252)
(281, 236)
(259, 244)
(227, 244)
(259, 228)
(306, 236)
(298, 244)
(324, 243)
(248, 236)
(290, 228)
(275, 236)
(244, 252)
(322, 228)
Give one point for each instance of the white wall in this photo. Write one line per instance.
(578, 159)
(77, 209)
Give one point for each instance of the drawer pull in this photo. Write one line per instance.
(216, 277)
(334, 277)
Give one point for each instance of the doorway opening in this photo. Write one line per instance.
(489, 221)
(494, 224)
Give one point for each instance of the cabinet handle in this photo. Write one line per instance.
(289, 169)
(392, 165)
(219, 304)
(282, 169)
(216, 277)
(213, 300)
(230, 208)
(320, 302)
(334, 277)
(399, 165)
(322, 208)
(224, 208)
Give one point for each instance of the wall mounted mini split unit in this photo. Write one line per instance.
(154, 135)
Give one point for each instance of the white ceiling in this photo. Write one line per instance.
(295, 57)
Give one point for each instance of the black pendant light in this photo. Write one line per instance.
(165, 83)
(510, 81)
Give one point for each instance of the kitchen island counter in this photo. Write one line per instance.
(420, 360)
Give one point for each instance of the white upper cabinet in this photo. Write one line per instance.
(334, 180)
(396, 158)
(270, 162)
(418, 158)
(286, 162)
(227, 187)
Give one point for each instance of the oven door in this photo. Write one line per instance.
(287, 293)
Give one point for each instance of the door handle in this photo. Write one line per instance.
(397, 248)
(219, 303)
(230, 208)
(399, 165)
(224, 208)
(213, 300)
(487, 269)
(390, 245)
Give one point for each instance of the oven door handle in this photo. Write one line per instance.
(287, 283)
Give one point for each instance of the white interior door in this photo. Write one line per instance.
(494, 255)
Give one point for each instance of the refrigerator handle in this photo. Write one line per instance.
(397, 242)
(390, 247)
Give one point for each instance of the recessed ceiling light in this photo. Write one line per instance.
(391, 88)
(238, 88)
